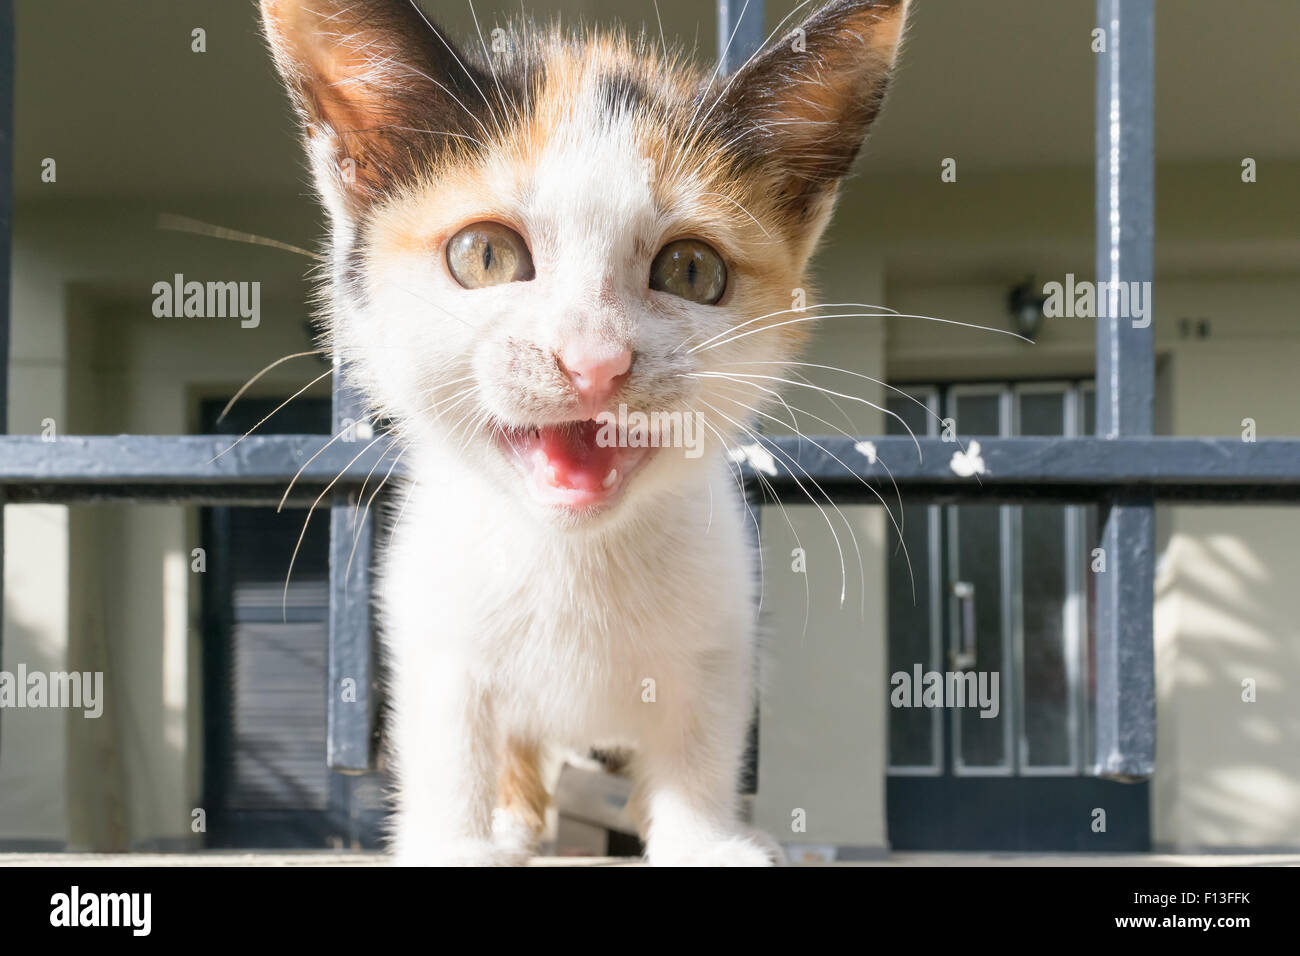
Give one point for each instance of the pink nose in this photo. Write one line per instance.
(595, 373)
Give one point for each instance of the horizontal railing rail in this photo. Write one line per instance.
(260, 469)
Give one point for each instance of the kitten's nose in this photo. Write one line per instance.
(596, 373)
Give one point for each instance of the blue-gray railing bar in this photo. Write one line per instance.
(351, 705)
(1123, 470)
(1125, 718)
(350, 713)
(6, 240)
(740, 32)
(172, 468)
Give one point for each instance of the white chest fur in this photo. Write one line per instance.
(578, 637)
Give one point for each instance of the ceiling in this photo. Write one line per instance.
(112, 91)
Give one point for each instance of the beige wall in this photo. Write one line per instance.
(822, 731)
(1228, 608)
(148, 374)
(32, 758)
(109, 587)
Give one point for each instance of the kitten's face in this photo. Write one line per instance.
(591, 202)
(532, 250)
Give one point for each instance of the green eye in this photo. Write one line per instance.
(690, 269)
(488, 253)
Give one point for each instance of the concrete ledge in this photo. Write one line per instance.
(335, 858)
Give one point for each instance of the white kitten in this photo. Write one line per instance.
(524, 243)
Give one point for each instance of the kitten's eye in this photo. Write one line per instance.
(488, 253)
(691, 269)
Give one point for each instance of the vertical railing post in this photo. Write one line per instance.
(740, 32)
(6, 242)
(1125, 224)
(350, 711)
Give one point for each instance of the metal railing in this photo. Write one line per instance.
(1123, 470)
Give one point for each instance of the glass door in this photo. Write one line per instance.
(989, 668)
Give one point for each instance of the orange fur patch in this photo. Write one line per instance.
(520, 790)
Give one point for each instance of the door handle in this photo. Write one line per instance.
(963, 656)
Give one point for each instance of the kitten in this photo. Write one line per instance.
(524, 240)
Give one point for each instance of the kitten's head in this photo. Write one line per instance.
(535, 230)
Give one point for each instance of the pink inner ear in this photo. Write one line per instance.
(321, 72)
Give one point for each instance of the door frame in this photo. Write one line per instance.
(944, 805)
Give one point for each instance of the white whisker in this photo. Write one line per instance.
(772, 315)
(322, 448)
(819, 388)
(844, 580)
(898, 530)
(860, 315)
(268, 416)
(366, 513)
(284, 598)
(249, 384)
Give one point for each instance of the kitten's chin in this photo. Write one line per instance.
(571, 468)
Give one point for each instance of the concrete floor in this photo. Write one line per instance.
(333, 858)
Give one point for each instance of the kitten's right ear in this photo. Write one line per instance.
(376, 86)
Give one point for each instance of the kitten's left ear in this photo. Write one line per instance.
(809, 99)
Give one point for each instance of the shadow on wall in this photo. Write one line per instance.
(32, 741)
(120, 780)
(1228, 658)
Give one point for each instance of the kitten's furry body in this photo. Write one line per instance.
(514, 623)
(549, 639)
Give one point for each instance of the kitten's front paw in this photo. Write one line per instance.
(514, 839)
(747, 849)
(452, 853)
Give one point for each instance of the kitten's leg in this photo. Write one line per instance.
(688, 773)
(443, 744)
(522, 799)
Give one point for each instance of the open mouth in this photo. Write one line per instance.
(572, 465)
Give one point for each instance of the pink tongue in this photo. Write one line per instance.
(578, 461)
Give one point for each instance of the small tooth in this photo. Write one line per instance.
(610, 479)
